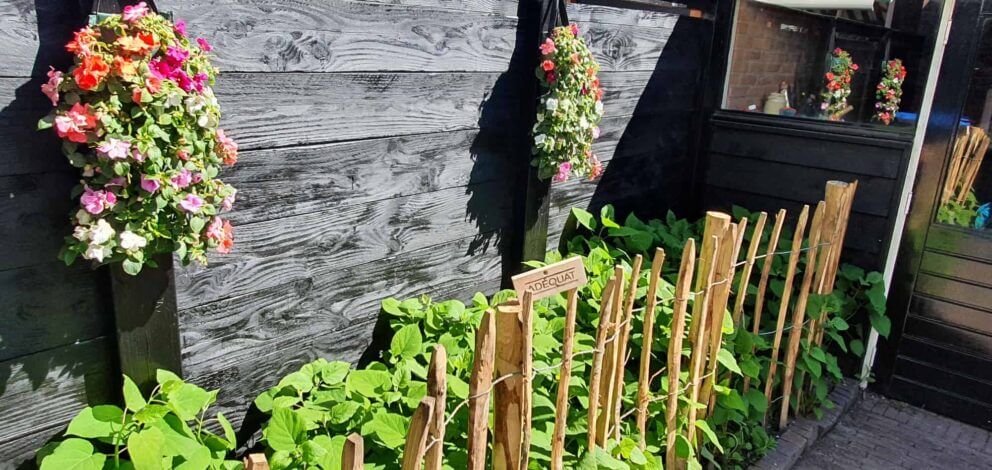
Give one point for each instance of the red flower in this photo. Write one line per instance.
(136, 95)
(550, 77)
(830, 75)
(599, 94)
(91, 72)
(154, 84)
(74, 124)
(548, 65)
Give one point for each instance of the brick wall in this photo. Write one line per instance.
(772, 45)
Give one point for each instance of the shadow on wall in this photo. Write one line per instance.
(52, 316)
(652, 167)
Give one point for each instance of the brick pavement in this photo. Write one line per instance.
(885, 434)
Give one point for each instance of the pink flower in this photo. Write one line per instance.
(228, 202)
(215, 230)
(550, 77)
(574, 28)
(183, 80)
(176, 55)
(204, 45)
(74, 123)
(183, 179)
(134, 13)
(548, 47)
(197, 178)
(199, 80)
(228, 150)
(96, 202)
(114, 149)
(51, 89)
(596, 132)
(117, 182)
(180, 28)
(220, 231)
(160, 69)
(137, 155)
(149, 184)
(597, 168)
(562, 174)
(192, 203)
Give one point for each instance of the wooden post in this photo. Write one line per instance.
(256, 462)
(147, 322)
(610, 360)
(842, 223)
(647, 340)
(416, 435)
(683, 288)
(799, 313)
(622, 354)
(700, 312)
(797, 243)
(596, 371)
(353, 455)
(718, 313)
(565, 375)
(437, 387)
(766, 269)
(478, 391)
(508, 393)
(752, 252)
(527, 394)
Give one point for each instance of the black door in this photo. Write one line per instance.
(939, 355)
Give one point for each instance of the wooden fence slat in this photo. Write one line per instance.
(622, 354)
(766, 269)
(565, 375)
(527, 368)
(437, 387)
(797, 242)
(799, 313)
(478, 389)
(718, 311)
(700, 312)
(752, 253)
(683, 288)
(610, 360)
(416, 435)
(256, 462)
(353, 455)
(647, 341)
(508, 393)
(596, 371)
(739, 239)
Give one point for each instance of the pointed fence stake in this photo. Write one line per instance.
(622, 354)
(752, 253)
(766, 269)
(683, 289)
(416, 435)
(596, 371)
(508, 406)
(478, 391)
(353, 455)
(610, 361)
(700, 313)
(647, 341)
(561, 401)
(437, 387)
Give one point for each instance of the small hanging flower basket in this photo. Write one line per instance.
(570, 109)
(138, 117)
(889, 91)
(838, 86)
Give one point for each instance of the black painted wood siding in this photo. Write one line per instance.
(56, 323)
(767, 163)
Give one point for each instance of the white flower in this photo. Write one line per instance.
(551, 104)
(96, 252)
(101, 233)
(195, 103)
(599, 107)
(837, 94)
(540, 117)
(208, 121)
(583, 123)
(565, 104)
(132, 241)
(80, 233)
(83, 217)
(539, 139)
(174, 99)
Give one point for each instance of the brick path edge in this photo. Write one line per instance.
(803, 432)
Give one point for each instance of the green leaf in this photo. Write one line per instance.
(881, 324)
(839, 324)
(333, 447)
(733, 401)
(335, 372)
(757, 400)
(98, 421)
(606, 216)
(132, 395)
(369, 383)
(146, 448)
(710, 435)
(229, 434)
(390, 428)
(151, 413)
(726, 358)
(188, 401)
(857, 347)
(131, 267)
(73, 454)
(285, 430)
(299, 380)
(876, 296)
(584, 218)
(342, 412)
(162, 376)
(818, 354)
(406, 342)
(197, 223)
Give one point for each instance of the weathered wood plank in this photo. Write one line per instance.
(311, 246)
(51, 305)
(25, 149)
(619, 16)
(46, 389)
(34, 33)
(628, 47)
(35, 217)
(350, 36)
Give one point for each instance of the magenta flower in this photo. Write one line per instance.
(134, 13)
(204, 45)
(562, 174)
(182, 79)
(176, 56)
(114, 149)
(183, 179)
(160, 69)
(197, 178)
(98, 201)
(51, 89)
(180, 28)
(149, 184)
(191, 204)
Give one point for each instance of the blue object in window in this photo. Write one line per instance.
(983, 211)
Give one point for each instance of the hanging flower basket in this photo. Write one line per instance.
(138, 117)
(570, 109)
(889, 91)
(842, 69)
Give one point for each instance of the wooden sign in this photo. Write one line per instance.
(551, 279)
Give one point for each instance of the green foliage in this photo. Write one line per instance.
(962, 215)
(164, 430)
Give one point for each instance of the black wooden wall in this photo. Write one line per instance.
(382, 147)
